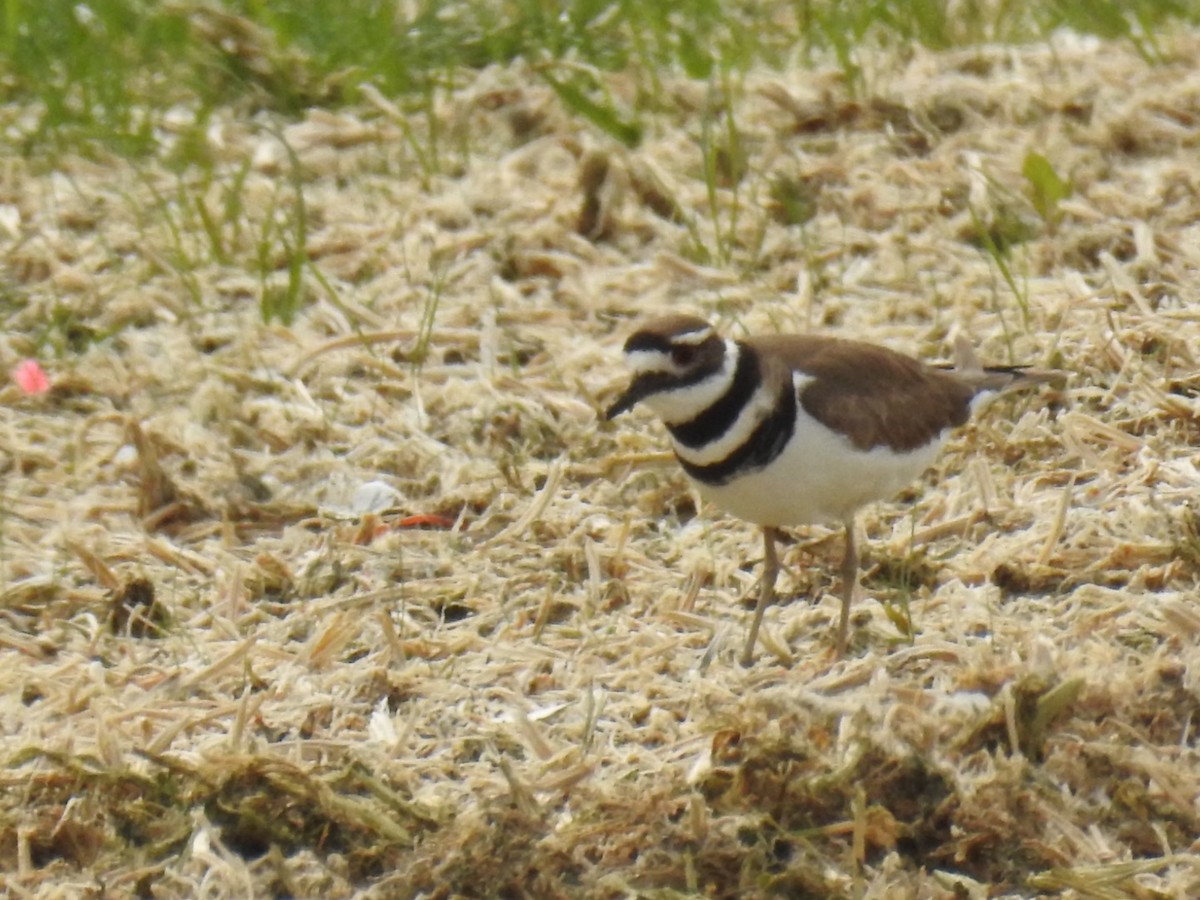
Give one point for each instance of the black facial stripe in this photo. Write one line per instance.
(661, 382)
(720, 416)
(762, 446)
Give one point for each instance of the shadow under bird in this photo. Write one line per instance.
(786, 430)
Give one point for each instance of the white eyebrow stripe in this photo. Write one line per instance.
(693, 338)
(643, 361)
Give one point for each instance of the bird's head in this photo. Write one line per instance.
(677, 363)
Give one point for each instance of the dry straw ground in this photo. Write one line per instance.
(222, 678)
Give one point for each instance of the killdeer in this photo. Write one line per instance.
(799, 429)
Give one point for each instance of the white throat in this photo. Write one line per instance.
(683, 404)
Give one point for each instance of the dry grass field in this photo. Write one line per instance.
(320, 575)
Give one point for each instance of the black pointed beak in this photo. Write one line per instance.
(638, 388)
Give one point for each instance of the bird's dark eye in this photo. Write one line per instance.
(683, 356)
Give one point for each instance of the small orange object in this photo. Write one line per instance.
(30, 377)
(427, 520)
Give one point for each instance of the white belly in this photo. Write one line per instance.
(819, 478)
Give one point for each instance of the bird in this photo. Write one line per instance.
(799, 429)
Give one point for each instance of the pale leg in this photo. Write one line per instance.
(849, 583)
(766, 591)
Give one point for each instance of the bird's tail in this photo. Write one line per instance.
(997, 379)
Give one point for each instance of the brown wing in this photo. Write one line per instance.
(874, 396)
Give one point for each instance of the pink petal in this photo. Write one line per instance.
(30, 377)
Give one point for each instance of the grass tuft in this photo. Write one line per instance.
(102, 74)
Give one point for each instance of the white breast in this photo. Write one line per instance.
(820, 477)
